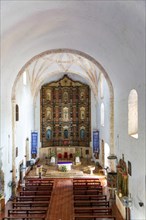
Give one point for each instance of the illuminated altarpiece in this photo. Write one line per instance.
(65, 114)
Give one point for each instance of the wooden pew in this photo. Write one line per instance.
(86, 180)
(93, 210)
(90, 197)
(35, 193)
(32, 198)
(86, 183)
(30, 204)
(38, 180)
(95, 217)
(88, 187)
(39, 184)
(37, 188)
(87, 192)
(90, 203)
(19, 217)
(27, 212)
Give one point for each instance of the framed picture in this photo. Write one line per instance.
(129, 168)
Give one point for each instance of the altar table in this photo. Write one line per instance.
(67, 164)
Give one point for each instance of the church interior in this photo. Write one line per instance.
(73, 110)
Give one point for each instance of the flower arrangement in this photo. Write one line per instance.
(63, 168)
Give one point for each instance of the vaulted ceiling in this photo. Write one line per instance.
(112, 32)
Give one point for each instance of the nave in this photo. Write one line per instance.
(62, 199)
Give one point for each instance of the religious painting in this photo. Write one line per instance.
(82, 133)
(49, 134)
(129, 168)
(66, 134)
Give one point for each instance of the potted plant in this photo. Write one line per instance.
(52, 156)
(63, 168)
(77, 157)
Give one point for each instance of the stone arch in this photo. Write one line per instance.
(83, 55)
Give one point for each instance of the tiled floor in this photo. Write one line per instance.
(61, 207)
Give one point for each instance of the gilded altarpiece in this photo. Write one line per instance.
(65, 114)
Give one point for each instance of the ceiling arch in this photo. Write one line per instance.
(43, 66)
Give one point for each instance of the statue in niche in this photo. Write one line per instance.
(82, 133)
(82, 95)
(65, 97)
(65, 133)
(48, 94)
(48, 134)
(48, 113)
(65, 114)
(82, 113)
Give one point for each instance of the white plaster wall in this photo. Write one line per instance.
(133, 149)
(25, 125)
(22, 128)
(104, 130)
(6, 133)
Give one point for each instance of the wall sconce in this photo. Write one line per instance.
(141, 204)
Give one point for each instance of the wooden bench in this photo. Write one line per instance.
(93, 210)
(90, 197)
(37, 188)
(86, 183)
(90, 203)
(89, 187)
(27, 212)
(32, 198)
(87, 192)
(42, 217)
(95, 217)
(86, 180)
(38, 180)
(35, 193)
(39, 184)
(30, 204)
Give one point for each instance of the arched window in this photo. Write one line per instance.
(133, 114)
(17, 113)
(24, 78)
(102, 114)
(101, 86)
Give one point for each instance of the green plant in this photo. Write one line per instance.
(52, 154)
(77, 154)
(63, 168)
